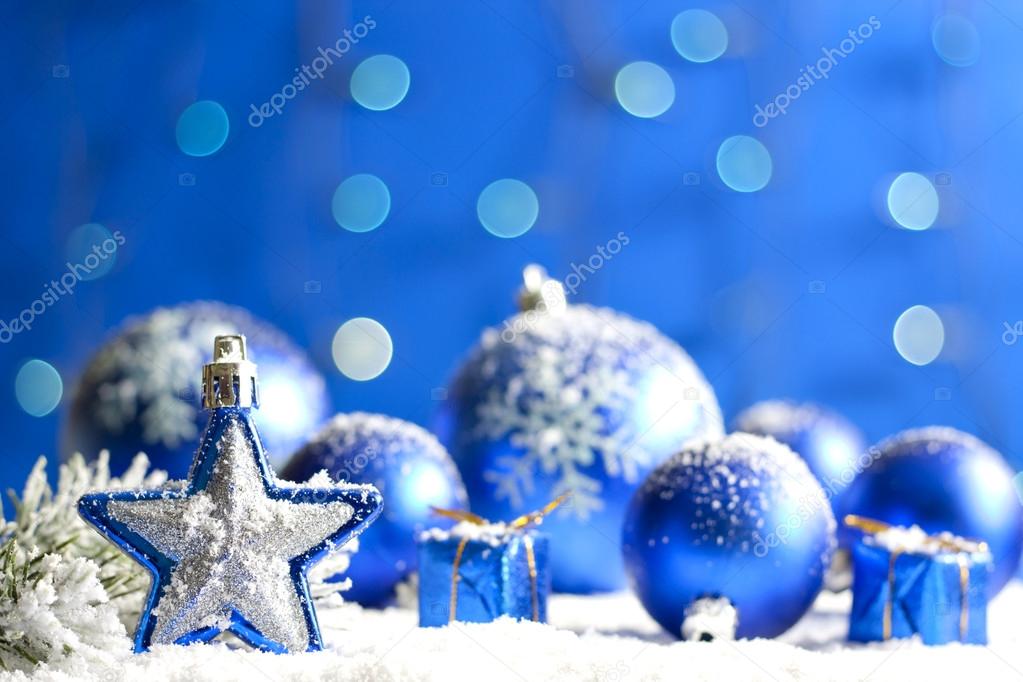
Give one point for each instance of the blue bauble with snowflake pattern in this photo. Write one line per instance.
(571, 398)
(832, 446)
(942, 479)
(139, 393)
(410, 469)
(737, 526)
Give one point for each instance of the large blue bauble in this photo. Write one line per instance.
(830, 444)
(582, 399)
(140, 391)
(741, 518)
(943, 480)
(410, 469)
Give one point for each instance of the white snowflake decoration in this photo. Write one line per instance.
(578, 376)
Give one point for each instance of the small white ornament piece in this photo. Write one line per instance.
(709, 619)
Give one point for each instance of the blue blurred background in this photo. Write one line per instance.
(792, 290)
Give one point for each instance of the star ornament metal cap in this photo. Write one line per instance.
(229, 548)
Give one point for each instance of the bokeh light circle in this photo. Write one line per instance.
(362, 349)
(644, 89)
(956, 40)
(202, 128)
(698, 35)
(361, 203)
(38, 388)
(93, 247)
(919, 335)
(913, 201)
(744, 164)
(380, 82)
(507, 208)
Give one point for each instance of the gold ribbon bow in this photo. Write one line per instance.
(962, 547)
(533, 518)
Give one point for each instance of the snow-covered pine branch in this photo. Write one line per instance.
(46, 521)
(52, 607)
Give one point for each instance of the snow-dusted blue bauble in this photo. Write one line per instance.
(410, 469)
(740, 518)
(942, 479)
(831, 445)
(579, 399)
(140, 392)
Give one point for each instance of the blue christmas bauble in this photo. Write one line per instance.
(831, 445)
(942, 479)
(740, 518)
(413, 472)
(140, 391)
(578, 399)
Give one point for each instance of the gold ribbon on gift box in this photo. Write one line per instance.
(962, 547)
(533, 518)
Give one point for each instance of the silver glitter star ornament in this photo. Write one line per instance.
(229, 548)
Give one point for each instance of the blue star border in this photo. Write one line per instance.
(94, 509)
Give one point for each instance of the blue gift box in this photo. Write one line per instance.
(938, 592)
(476, 574)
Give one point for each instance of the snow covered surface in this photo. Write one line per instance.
(494, 534)
(915, 540)
(605, 638)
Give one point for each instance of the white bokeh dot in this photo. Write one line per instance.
(202, 128)
(38, 388)
(956, 40)
(913, 201)
(362, 349)
(380, 82)
(361, 203)
(94, 248)
(699, 35)
(507, 208)
(744, 164)
(644, 89)
(919, 335)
